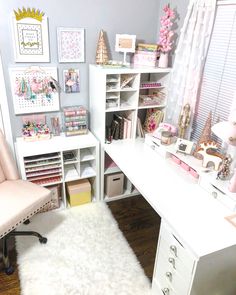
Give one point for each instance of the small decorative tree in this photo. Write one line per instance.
(205, 135)
(101, 53)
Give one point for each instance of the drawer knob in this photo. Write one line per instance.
(169, 275)
(166, 291)
(173, 249)
(172, 261)
(214, 194)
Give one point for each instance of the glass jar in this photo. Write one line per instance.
(166, 137)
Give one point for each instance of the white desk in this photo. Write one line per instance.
(194, 217)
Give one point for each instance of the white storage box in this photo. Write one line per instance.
(114, 184)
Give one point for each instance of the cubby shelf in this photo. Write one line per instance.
(122, 92)
(60, 160)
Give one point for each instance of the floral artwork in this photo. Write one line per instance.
(71, 81)
(70, 45)
(153, 118)
(166, 34)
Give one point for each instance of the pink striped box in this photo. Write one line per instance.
(184, 166)
(145, 58)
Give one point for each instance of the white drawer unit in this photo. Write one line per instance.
(219, 191)
(174, 265)
(179, 272)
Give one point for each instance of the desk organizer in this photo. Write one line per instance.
(75, 120)
(114, 184)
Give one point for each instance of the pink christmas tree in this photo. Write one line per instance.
(166, 34)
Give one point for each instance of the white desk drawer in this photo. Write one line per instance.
(172, 264)
(170, 245)
(162, 288)
(167, 275)
(216, 193)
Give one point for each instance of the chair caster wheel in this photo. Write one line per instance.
(9, 271)
(43, 240)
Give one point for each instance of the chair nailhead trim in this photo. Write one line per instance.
(19, 222)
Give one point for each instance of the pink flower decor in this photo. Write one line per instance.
(166, 33)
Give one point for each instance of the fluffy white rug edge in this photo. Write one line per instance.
(99, 260)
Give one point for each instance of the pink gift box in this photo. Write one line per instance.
(185, 166)
(175, 159)
(109, 163)
(145, 58)
(193, 173)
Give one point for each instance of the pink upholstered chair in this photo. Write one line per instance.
(19, 200)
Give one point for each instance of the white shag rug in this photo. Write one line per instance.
(86, 254)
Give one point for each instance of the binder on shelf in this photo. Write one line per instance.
(120, 121)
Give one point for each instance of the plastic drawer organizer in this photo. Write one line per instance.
(75, 120)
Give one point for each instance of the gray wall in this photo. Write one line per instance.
(123, 16)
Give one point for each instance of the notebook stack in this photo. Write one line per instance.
(120, 128)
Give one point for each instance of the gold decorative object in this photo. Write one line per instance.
(205, 136)
(184, 120)
(102, 52)
(32, 13)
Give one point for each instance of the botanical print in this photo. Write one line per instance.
(71, 45)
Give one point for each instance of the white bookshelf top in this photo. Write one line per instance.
(55, 144)
(129, 69)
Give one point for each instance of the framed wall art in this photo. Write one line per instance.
(30, 36)
(34, 89)
(71, 81)
(125, 43)
(70, 45)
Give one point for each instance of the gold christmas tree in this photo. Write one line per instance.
(205, 135)
(101, 53)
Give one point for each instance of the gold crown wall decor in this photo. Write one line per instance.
(32, 13)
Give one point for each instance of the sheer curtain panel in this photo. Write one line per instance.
(190, 57)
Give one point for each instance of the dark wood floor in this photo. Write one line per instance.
(139, 224)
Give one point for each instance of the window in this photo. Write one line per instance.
(218, 89)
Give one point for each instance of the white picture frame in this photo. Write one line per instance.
(70, 44)
(30, 36)
(184, 146)
(125, 43)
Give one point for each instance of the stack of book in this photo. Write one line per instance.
(146, 54)
(120, 128)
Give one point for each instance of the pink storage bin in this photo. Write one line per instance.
(193, 173)
(175, 159)
(185, 166)
(145, 58)
(109, 162)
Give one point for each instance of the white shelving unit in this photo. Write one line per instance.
(59, 160)
(122, 92)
